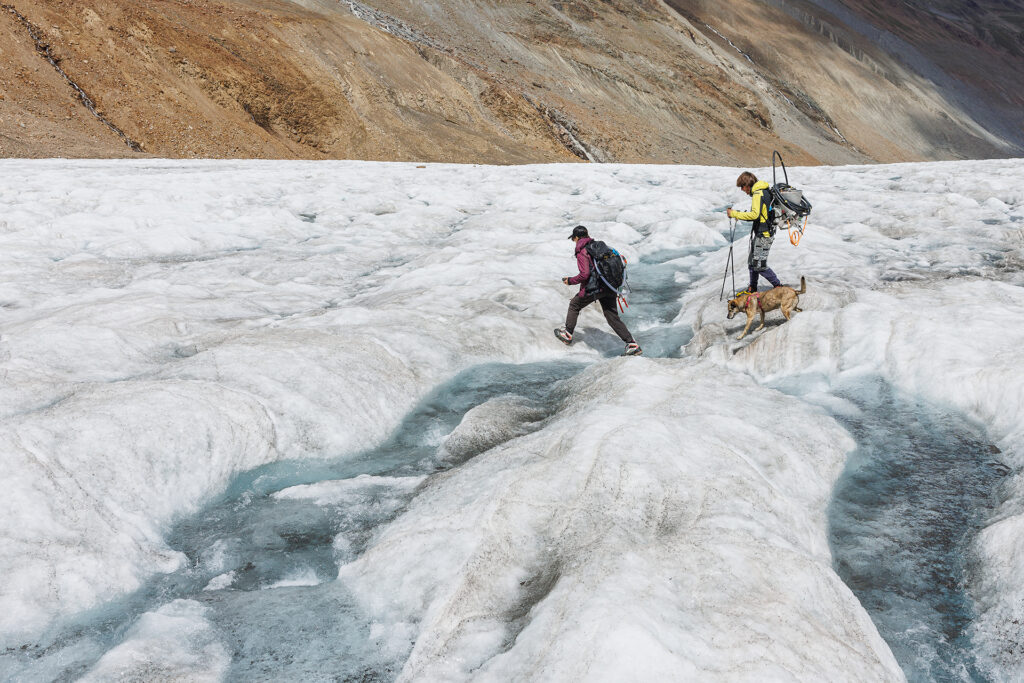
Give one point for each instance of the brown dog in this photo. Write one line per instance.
(783, 297)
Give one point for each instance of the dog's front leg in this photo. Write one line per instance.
(750, 319)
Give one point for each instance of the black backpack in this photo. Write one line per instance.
(607, 269)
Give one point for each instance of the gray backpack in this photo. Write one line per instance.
(787, 202)
(786, 205)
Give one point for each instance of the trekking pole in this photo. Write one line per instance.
(732, 265)
(729, 262)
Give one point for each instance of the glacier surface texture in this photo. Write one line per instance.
(308, 421)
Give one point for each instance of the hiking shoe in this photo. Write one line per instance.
(563, 336)
(632, 349)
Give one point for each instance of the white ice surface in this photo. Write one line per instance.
(349, 491)
(650, 532)
(176, 642)
(166, 325)
(305, 577)
(220, 582)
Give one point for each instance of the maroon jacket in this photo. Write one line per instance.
(583, 261)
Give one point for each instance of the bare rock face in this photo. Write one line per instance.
(703, 81)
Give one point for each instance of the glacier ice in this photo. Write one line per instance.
(368, 406)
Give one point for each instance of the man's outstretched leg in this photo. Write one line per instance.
(611, 314)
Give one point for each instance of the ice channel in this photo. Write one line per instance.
(920, 486)
(258, 599)
(263, 557)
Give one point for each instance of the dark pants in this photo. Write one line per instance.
(768, 274)
(611, 314)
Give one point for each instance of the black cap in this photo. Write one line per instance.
(579, 231)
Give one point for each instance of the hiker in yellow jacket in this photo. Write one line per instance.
(761, 233)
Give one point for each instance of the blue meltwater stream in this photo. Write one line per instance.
(914, 495)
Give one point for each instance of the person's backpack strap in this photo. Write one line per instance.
(593, 283)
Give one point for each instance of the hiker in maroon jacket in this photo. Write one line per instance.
(581, 300)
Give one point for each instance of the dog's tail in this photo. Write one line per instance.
(803, 285)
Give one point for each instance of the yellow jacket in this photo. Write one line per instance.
(757, 205)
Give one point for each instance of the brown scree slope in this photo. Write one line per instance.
(720, 82)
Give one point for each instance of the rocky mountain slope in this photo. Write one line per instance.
(701, 81)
